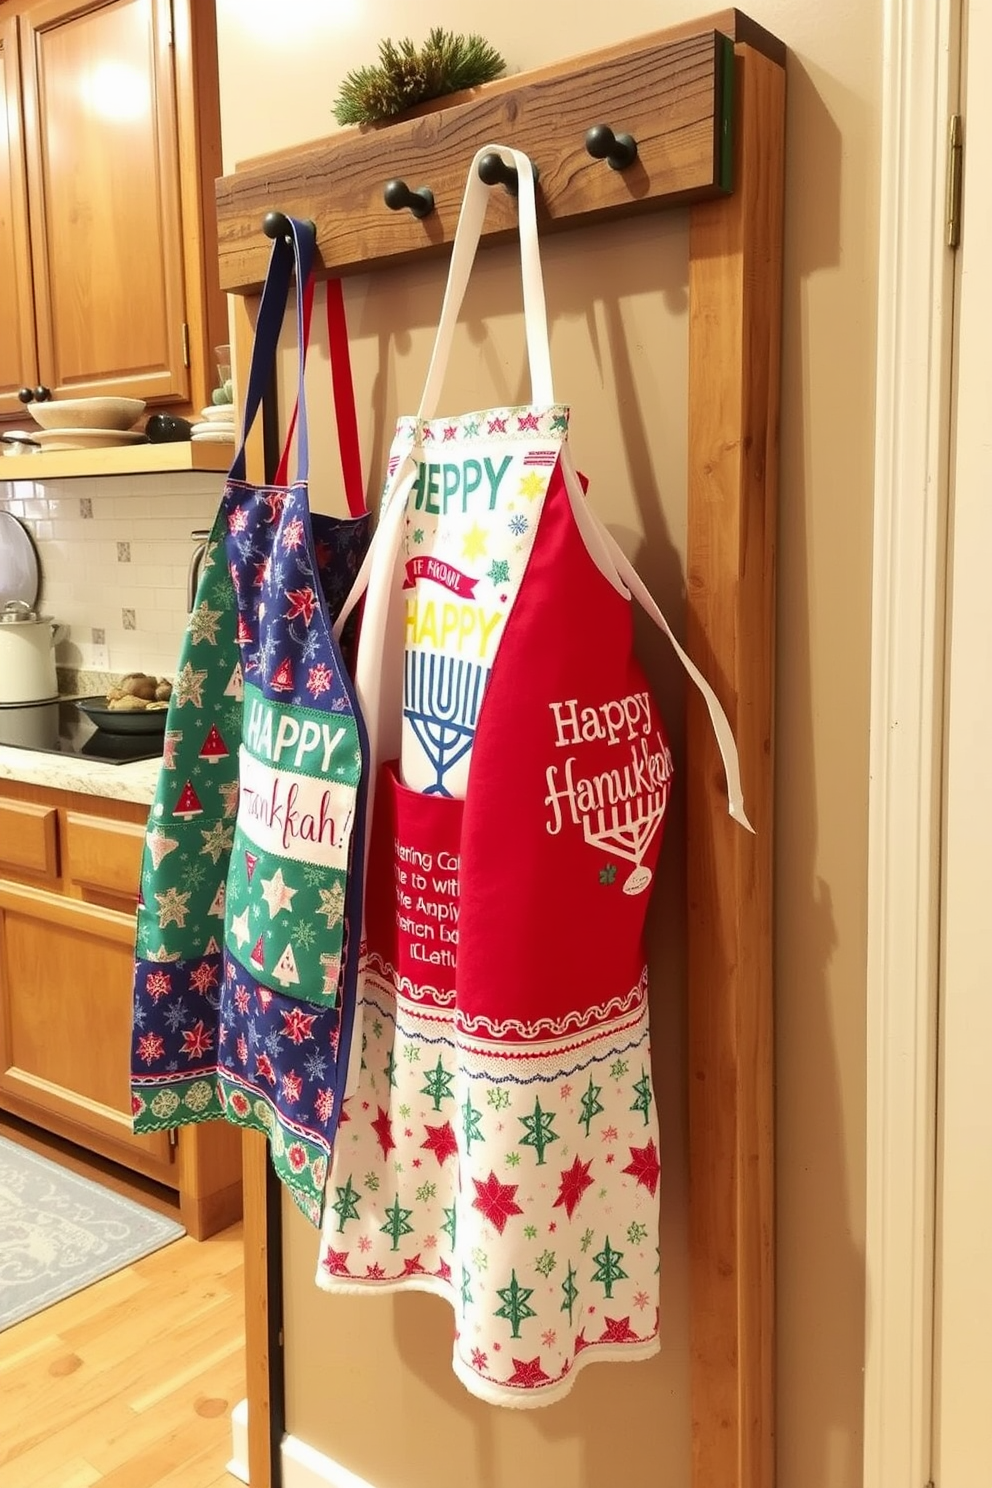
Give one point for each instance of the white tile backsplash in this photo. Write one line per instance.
(87, 584)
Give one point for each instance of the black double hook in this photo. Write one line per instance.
(618, 150)
(397, 195)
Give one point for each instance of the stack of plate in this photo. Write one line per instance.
(87, 423)
(216, 424)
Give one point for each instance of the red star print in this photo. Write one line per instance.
(197, 1040)
(275, 501)
(383, 1128)
(150, 1047)
(335, 1262)
(497, 426)
(412, 1266)
(374, 1273)
(450, 430)
(296, 1024)
(263, 1067)
(441, 1141)
(301, 602)
(574, 1182)
(581, 1341)
(618, 1330)
(496, 1200)
(528, 1372)
(204, 977)
(443, 1271)
(644, 1166)
(292, 1087)
(527, 421)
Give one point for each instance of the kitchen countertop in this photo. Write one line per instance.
(70, 772)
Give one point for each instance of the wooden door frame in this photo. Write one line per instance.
(915, 297)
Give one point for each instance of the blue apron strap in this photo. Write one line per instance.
(295, 251)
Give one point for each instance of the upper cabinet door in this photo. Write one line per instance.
(104, 195)
(18, 360)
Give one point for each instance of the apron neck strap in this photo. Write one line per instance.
(295, 251)
(467, 236)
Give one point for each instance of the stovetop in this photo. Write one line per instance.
(60, 728)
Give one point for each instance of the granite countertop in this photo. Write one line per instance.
(70, 772)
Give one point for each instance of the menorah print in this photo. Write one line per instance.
(442, 701)
(626, 830)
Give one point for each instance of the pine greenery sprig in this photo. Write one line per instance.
(405, 75)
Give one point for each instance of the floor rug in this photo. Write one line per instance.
(60, 1232)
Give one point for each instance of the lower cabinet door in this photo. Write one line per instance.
(65, 1024)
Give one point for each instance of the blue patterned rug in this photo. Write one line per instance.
(60, 1232)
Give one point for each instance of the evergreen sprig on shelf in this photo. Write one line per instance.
(406, 74)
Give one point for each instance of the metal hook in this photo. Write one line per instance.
(276, 225)
(618, 150)
(494, 171)
(397, 195)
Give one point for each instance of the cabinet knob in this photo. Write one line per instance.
(26, 395)
(42, 394)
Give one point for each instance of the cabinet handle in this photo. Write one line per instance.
(42, 394)
(26, 395)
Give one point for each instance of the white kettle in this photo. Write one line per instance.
(27, 655)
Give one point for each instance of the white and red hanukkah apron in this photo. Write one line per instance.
(499, 1144)
(244, 982)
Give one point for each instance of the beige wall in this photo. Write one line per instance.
(369, 1381)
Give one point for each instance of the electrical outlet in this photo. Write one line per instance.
(101, 658)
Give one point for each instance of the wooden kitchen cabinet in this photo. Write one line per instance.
(113, 144)
(69, 871)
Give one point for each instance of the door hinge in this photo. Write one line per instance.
(170, 22)
(185, 343)
(955, 151)
(174, 1142)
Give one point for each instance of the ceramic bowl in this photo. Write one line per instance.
(87, 413)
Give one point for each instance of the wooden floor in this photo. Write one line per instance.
(130, 1383)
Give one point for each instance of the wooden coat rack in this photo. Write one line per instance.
(705, 103)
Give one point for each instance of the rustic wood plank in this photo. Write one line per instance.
(668, 96)
(735, 317)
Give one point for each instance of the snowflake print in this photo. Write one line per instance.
(377, 1028)
(480, 1259)
(315, 1065)
(530, 1231)
(549, 1337)
(608, 874)
(150, 1048)
(619, 1068)
(305, 934)
(364, 1243)
(324, 1104)
(319, 679)
(498, 1099)
(479, 1359)
(292, 536)
(426, 1191)
(175, 1016)
(292, 1087)
(411, 1054)
(371, 1181)
(610, 1134)
(641, 1300)
(310, 646)
(586, 1241)
(297, 1025)
(204, 977)
(636, 1233)
(238, 520)
(498, 571)
(313, 876)
(159, 984)
(546, 1262)
(512, 1159)
(518, 525)
(418, 535)
(241, 1048)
